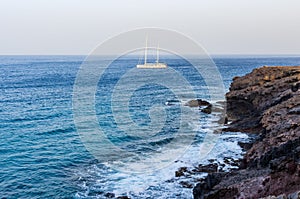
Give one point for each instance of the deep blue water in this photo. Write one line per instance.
(41, 154)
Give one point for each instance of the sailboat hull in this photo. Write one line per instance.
(152, 65)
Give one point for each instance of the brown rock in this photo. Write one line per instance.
(197, 103)
(210, 168)
(266, 102)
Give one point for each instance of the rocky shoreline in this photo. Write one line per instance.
(265, 102)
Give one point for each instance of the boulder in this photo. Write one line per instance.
(197, 103)
(207, 109)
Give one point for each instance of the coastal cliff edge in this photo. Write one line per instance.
(265, 102)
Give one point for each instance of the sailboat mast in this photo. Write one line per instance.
(157, 54)
(145, 61)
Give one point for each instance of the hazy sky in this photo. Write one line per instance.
(78, 26)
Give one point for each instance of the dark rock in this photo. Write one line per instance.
(170, 181)
(224, 193)
(226, 120)
(231, 161)
(280, 153)
(202, 189)
(244, 145)
(186, 184)
(109, 195)
(253, 107)
(295, 195)
(181, 172)
(96, 192)
(207, 109)
(248, 98)
(265, 103)
(295, 110)
(210, 168)
(123, 197)
(295, 87)
(197, 103)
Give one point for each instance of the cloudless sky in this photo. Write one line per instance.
(78, 26)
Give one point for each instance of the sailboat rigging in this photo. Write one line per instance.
(157, 64)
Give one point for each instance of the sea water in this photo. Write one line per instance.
(42, 155)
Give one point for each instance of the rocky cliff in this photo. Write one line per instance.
(265, 102)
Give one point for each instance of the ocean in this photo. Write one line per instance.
(43, 156)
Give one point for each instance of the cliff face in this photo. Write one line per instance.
(252, 95)
(265, 102)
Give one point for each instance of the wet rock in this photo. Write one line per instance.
(295, 110)
(225, 120)
(207, 109)
(197, 103)
(109, 195)
(232, 162)
(170, 181)
(209, 168)
(295, 195)
(186, 184)
(295, 87)
(181, 171)
(123, 197)
(245, 145)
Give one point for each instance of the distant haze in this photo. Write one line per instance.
(220, 26)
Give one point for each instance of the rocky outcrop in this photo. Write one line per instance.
(197, 103)
(207, 109)
(265, 102)
(250, 96)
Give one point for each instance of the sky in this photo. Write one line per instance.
(76, 27)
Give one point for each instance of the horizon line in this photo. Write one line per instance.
(213, 54)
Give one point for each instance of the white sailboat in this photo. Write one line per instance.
(156, 64)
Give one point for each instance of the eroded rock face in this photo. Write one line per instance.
(265, 102)
(250, 96)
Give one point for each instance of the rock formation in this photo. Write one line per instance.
(197, 103)
(265, 102)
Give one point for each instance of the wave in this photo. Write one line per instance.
(58, 131)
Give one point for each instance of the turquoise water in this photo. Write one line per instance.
(41, 153)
